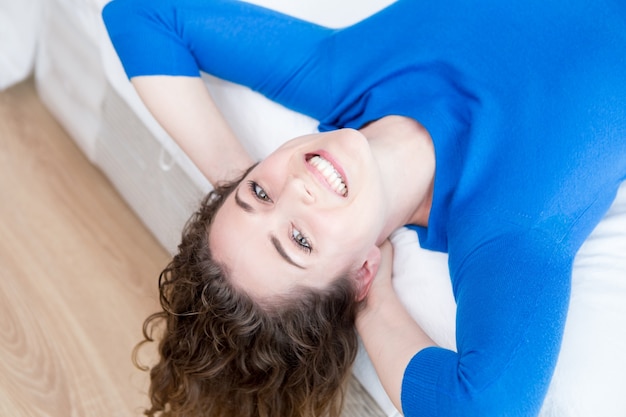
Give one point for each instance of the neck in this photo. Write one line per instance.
(406, 157)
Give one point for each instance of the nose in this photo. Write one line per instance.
(299, 190)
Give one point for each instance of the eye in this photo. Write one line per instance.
(301, 240)
(258, 192)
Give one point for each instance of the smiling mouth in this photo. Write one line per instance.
(328, 171)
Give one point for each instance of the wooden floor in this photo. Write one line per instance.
(77, 277)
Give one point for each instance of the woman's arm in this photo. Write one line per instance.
(164, 44)
(185, 109)
(512, 295)
(389, 334)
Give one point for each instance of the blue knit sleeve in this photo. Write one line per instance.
(512, 293)
(282, 57)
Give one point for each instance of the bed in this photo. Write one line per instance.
(80, 79)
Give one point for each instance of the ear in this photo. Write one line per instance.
(366, 273)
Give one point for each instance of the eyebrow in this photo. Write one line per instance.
(282, 252)
(279, 247)
(245, 206)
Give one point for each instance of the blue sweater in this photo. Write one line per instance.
(526, 105)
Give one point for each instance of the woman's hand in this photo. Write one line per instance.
(381, 286)
(390, 335)
(385, 269)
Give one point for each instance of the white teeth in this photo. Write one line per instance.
(328, 170)
(330, 173)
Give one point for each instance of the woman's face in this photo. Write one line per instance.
(310, 212)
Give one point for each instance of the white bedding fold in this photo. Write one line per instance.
(19, 30)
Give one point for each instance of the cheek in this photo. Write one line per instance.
(219, 237)
(348, 228)
(346, 246)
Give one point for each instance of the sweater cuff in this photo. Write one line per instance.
(420, 384)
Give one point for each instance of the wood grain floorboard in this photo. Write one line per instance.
(78, 276)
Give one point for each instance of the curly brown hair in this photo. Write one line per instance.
(223, 354)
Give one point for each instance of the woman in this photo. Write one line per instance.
(496, 131)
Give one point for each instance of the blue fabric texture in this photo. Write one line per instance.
(526, 105)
